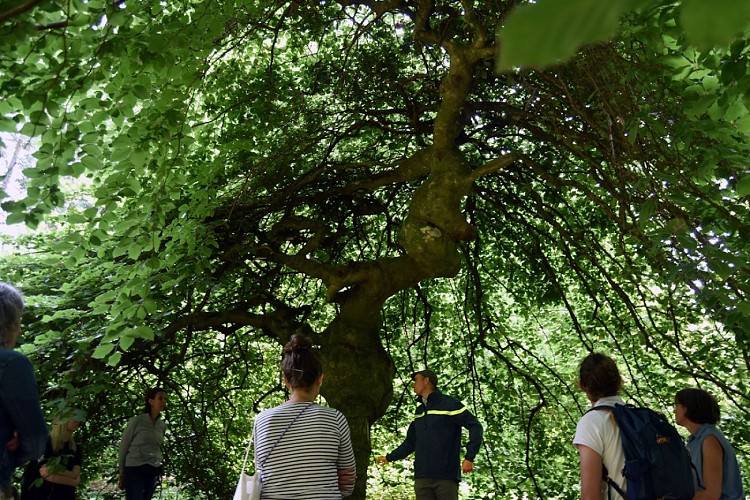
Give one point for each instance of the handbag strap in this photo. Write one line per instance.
(249, 445)
(247, 452)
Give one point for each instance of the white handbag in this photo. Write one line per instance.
(248, 487)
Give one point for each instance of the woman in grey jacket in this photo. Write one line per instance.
(140, 448)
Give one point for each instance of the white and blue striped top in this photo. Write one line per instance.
(306, 461)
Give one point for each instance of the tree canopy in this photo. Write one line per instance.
(491, 189)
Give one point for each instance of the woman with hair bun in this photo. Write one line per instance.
(597, 436)
(714, 461)
(302, 449)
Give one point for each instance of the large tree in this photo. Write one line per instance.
(258, 170)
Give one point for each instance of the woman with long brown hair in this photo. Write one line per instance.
(140, 449)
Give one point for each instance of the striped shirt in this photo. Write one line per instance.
(304, 464)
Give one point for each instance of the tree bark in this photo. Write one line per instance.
(358, 372)
(358, 381)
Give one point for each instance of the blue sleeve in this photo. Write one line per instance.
(20, 398)
(471, 423)
(406, 448)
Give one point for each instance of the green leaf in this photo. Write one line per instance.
(91, 162)
(78, 253)
(144, 332)
(7, 125)
(114, 360)
(92, 150)
(743, 124)
(30, 129)
(76, 218)
(15, 218)
(708, 24)
(141, 92)
(648, 209)
(121, 151)
(134, 251)
(102, 351)
(710, 83)
(549, 31)
(743, 186)
(150, 307)
(699, 107)
(126, 341)
(735, 111)
(120, 250)
(722, 269)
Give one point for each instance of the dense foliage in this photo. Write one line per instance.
(396, 181)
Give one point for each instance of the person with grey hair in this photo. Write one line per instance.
(22, 425)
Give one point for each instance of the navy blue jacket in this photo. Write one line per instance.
(435, 436)
(20, 412)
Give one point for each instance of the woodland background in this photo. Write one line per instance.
(488, 188)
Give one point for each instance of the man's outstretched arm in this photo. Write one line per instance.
(404, 449)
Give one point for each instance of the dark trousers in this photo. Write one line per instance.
(436, 489)
(141, 482)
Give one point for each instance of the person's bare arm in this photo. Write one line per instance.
(346, 478)
(591, 473)
(713, 465)
(66, 477)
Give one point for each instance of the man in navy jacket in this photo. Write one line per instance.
(23, 431)
(435, 438)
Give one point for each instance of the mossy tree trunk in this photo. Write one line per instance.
(359, 372)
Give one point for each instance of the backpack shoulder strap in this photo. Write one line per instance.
(610, 409)
(613, 486)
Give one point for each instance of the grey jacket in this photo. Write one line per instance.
(141, 442)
